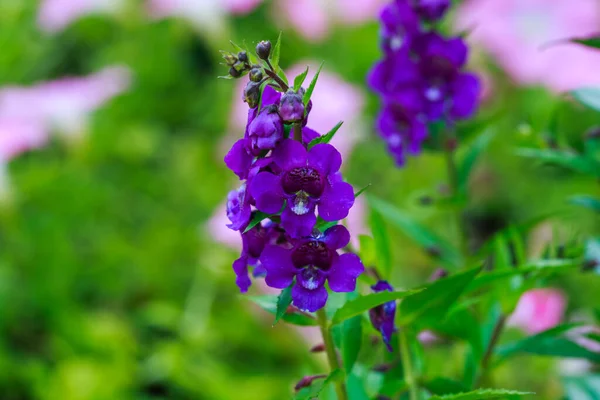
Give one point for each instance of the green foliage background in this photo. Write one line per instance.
(111, 288)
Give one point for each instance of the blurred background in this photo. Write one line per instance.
(115, 265)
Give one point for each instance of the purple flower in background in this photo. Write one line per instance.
(382, 316)
(307, 179)
(238, 208)
(431, 10)
(399, 23)
(402, 131)
(312, 262)
(55, 15)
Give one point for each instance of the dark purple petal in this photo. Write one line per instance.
(253, 243)
(238, 160)
(265, 188)
(380, 286)
(266, 130)
(466, 88)
(308, 135)
(278, 264)
(270, 96)
(431, 10)
(394, 73)
(291, 107)
(336, 237)
(309, 300)
(325, 158)
(240, 267)
(290, 154)
(238, 208)
(336, 201)
(399, 22)
(298, 226)
(344, 271)
(382, 317)
(386, 329)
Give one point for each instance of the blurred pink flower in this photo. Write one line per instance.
(580, 334)
(538, 310)
(241, 6)
(312, 18)
(63, 104)
(55, 15)
(520, 34)
(18, 136)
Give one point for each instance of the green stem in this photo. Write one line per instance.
(298, 132)
(484, 375)
(409, 376)
(334, 363)
(455, 191)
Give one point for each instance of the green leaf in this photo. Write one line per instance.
(269, 304)
(564, 159)
(299, 80)
(382, 243)
(469, 160)
(283, 302)
(326, 138)
(361, 191)
(552, 342)
(317, 387)
(586, 201)
(323, 225)
(431, 304)
(367, 251)
(276, 52)
(415, 231)
(481, 394)
(589, 96)
(311, 86)
(592, 41)
(586, 387)
(351, 341)
(366, 302)
(256, 219)
(442, 386)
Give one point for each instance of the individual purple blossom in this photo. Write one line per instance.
(291, 107)
(308, 179)
(265, 131)
(431, 10)
(399, 23)
(382, 316)
(402, 131)
(312, 262)
(238, 208)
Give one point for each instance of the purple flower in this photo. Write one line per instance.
(307, 179)
(238, 159)
(398, 24)
(291, 107)
(431, 10)
(382, 316)
(265, 131)
(238, 208)
(312, 262)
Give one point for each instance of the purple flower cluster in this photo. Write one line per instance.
(286, 182)
(421, 78)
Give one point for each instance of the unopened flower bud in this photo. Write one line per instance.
(252, 94)
(234, 72)
(291, 107)
(256, 75)
(239, 66)
(318, 348)
(230, 59)
(263, 49)
(307, 381)
(243, 56)
(439, 273)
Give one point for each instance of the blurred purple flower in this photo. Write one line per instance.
(538, 310)
(382, 317)
(55, 15)
(312, 262)
(522, 36)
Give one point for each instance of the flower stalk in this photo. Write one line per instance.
(409, 376)
(334, 364)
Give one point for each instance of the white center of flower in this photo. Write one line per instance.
(310, 284)
(300, 205)
(396, 42)
(433, 93)
(394, 140)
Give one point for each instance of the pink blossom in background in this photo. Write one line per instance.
(55, 15)
(241, 6)
(538, 310)
(18, 136)
(519, 34)
(63, 104)
(313, 18)
(579, 336)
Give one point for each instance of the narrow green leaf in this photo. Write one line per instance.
(276, 52)
(442, 386)
(367, 252)
(256, 219)
(323, 225)
(317, 387)
(592, 41)
(311, 87)
(326, 138)
(431, 304)
(588, 96)
(351, 341)
(225, 77)
(586, 387)
(586, 201)
(416, 231)
(366, 302)
(382, 243)
(481, 394)
(269, 304)
(475, 150)
(571, 161)
(283, 302)
(299, 80)
(361, 190)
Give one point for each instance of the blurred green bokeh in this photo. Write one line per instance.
(110, 285)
